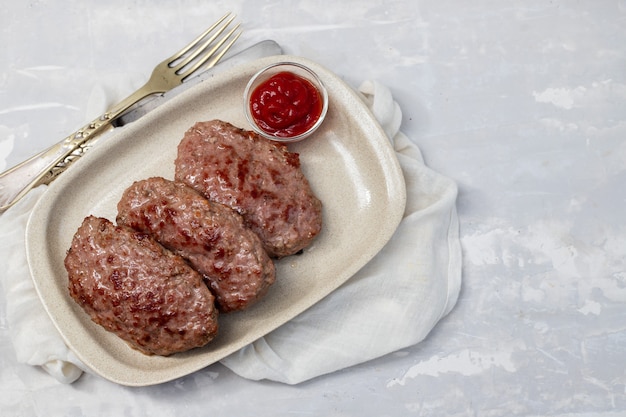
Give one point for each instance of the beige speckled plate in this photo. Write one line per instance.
(351, 167)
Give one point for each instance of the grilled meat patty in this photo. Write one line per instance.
(256, 177)
(132, 286)
(209, 235)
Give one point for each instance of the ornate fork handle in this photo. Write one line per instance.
(48, 164)
(74, 146)
(44, 167)
(77, 151)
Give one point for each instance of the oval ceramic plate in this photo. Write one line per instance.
(349, 162)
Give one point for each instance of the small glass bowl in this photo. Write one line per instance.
(271, 70)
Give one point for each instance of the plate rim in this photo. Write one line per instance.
(37, 218)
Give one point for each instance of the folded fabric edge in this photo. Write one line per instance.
(455, 263)
(405, 146)
(267, 365)
(54, 359)
(67, 371)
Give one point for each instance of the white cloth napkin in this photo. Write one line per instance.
(395, 300)
(36, 340)
(391, 303)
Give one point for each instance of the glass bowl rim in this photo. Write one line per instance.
(317, 83)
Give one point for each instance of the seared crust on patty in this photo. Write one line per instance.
(256, 177)
(132, 286)
(209, 235)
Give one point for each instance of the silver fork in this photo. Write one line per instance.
(203, 52)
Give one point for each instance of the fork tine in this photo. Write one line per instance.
(197, 40)
(219, 56)
(44, 167)
(204, 45)
(211, 54)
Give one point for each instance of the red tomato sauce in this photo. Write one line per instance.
(286, 105)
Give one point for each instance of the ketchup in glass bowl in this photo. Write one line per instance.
(285, 102)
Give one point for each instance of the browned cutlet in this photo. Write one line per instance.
(132, 286)
(258, 178)
(209, 235)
